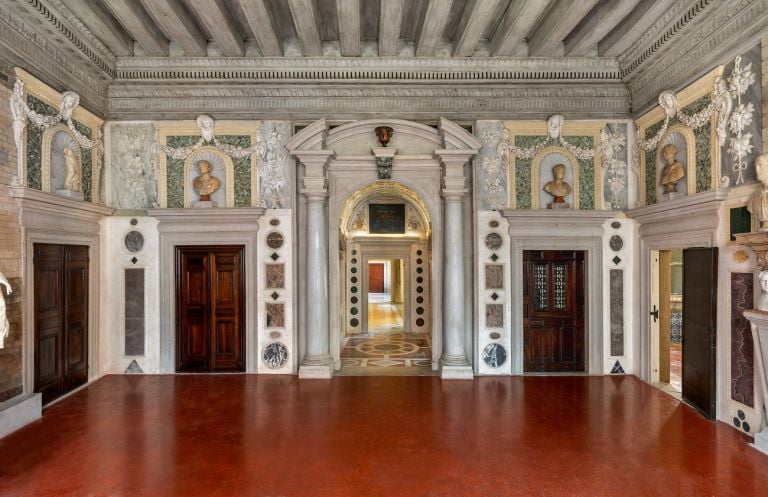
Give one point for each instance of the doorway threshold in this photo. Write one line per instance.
(384, 371)
(669, 389)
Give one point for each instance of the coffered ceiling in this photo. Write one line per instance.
(132, 58)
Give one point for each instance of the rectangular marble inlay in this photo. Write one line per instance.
(617, 312)
(494, 315)
(134, 311)
(494, 276)
(742, 347)
(275, 275)
(275, 315)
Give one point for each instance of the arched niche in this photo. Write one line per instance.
(223, 170)
(683, 139)
(54, 170)
(541, 174)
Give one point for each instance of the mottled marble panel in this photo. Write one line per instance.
(523, 171)
(703, 137)
(615, 192)
(494, 276)
(241, 168)
(134, 311)
(174, 172)
(650, 166)
(617, 311)
(275, 276)
(494, 315)
(87, 155)
(132, 173)
(275, 315)
(492, 170)
(35, 143)
(586, 172)
(742, 347)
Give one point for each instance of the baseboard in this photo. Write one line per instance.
(19, 411)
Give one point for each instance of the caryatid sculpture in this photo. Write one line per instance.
(5, 327)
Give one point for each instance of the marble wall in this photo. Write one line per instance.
(742, 348)
(132, 174)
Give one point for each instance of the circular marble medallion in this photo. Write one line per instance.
(494, 355)
(274, 222)
(275, 355)
(134, 222)
(420, 322)
(354, 322)
(493, 224)
(493, 241)
(616, 242)
(615, 225)
(275, 240)
(134, 241)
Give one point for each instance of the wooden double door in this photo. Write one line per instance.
(61, 319)
(210, 319)
(554, 296)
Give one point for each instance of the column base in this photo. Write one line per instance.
(318, 368)
(450, 372)
(761, 441)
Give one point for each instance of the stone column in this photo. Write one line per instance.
(317, 361)
(454, 363)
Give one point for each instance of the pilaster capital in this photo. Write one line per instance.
(314, 180)
(384, 152)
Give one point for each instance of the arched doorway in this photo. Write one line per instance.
(385, 290)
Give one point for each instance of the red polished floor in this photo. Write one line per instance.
(233, 435)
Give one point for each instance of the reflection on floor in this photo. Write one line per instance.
(676, 366)
(387, 354)
(383, 315)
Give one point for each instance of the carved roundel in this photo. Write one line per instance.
(616, 242)
(493, 241)
(275, 355)
(275, 240)
(134, 241)
(494, 355)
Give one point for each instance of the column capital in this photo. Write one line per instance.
(314, 180)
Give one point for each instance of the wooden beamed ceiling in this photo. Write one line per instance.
(369, 28)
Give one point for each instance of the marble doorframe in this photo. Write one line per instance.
(219, 226)
(558, 230)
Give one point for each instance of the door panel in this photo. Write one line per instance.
(210, 308)
(699, 328)
(375, 278)
(553, 311)
(61, 319)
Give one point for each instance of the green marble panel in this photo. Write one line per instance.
(35, 143)
(650, 163)
(703, 137)
(523, 171)
(586, 172)
(174, 172)
(87, 157)
(242, 169)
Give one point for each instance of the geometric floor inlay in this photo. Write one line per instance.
(387, 353)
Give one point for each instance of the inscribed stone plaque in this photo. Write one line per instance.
(275, 275)
(275, 240)
(275, 315)
(617, 311)
(742, 347)
(386, 218)
(494, 276)
(134, 311)
(494, 315)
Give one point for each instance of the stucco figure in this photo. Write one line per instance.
(69, 102)
(668, 102)
(205, 184)
(5, 327)
(72, 181)
(758, 206)
(673, 172)
(558, 188)
(206, 125)
(555, 126)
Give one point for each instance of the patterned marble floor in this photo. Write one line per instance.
(384, 316)
(387, 353)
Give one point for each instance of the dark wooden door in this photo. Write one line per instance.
(210, 295)
(61, 319)
(375, 277)
(699, 328)
(553, 311)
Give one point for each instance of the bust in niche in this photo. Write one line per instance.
(72, 181)
(758, 205)
(673, 171)
(558, 188)
(205, 184)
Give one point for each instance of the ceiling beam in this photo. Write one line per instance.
(558, 22)
(258, 18)
(139, 25)
(509, 38)
(306, 21)
(598, 23)
(215, 16)
(475, 18)
(348, 13)
(390, 19)
(632, 27)
(179, 25)
(103, 26)
(432, 27)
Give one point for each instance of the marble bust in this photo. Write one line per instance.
(673, 171)
(72, 181)
(205, 184)
(758, 205)
(5, 327)
(558, 187)
(555, 126)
